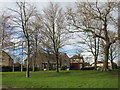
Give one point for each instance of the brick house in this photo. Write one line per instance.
(77, 62)
(100, 64)
(44, 60)
(6, 60)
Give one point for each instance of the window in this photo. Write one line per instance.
(44, 65)
(65, 60)
(54, 65)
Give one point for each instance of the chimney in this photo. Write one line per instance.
(78, 54)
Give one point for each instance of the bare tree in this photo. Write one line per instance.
(21, 18)
(54, 29)
(113, 53)
(47, 48)
(36, 26)
(93, 45)
(5, 31)
(92, 17)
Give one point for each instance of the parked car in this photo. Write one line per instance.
(99, 68)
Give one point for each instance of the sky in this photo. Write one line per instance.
(69, 49)
(40, 5)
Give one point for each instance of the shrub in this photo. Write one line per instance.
(114, 66)
(6, 68)
(63, 67)
(87, 68)
(54, 68)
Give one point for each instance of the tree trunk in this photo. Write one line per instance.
(95, 66)
(57, 64)
(33, 60)
(21, 67)
(83, 66)
(112, 64)
(48, 62)
(111, 58)
(13, 68)
(22, 59)
(48, 65)
(106, 51)
(60, 62)
(27, 68)
(33, 67)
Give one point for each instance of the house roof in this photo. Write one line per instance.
(100, 62)
(86, 64)
(45, 56)
(17, 63)
(3, 52)
(76, 57)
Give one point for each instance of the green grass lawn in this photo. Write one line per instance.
(64, 79)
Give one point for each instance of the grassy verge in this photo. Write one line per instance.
(64, 79)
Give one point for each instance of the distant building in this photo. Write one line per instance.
(100, 64)
(118, 63)
(77, 62)
(42, 60)
(6, 60)
(17, 64)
